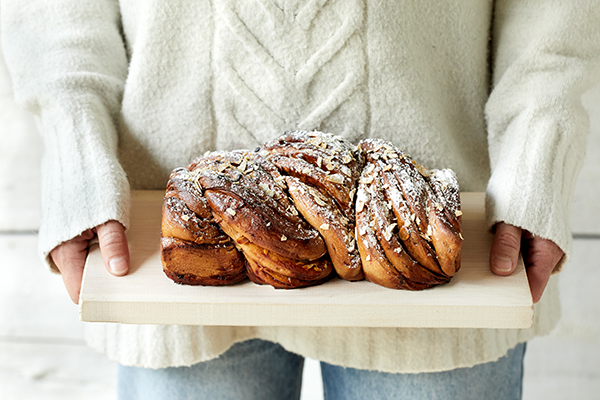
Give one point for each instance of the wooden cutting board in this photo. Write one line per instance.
(475, 298)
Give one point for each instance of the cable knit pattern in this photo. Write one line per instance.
(127, 90)
(289, 66)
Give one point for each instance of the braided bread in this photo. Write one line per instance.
(286, 215)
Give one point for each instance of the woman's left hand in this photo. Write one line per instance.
(540, 256)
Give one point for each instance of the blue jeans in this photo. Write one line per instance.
(262, 370)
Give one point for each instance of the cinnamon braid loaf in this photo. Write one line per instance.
(286, 215)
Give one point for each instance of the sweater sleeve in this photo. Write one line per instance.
(68, 65)
(545, 55)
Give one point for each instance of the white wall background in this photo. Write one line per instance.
(42, 353)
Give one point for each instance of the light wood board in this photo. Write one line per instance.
(475, 298)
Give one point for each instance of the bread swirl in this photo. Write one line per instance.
(194, 249)
(408, 218)
(322, 174)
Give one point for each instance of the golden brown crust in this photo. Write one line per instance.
(284, 273)
(245, 196)
(201, 264)
(180, 222)
(337, 230)
(194, 249)
(377, 268)
(408, 223)
(384, 228)
(268, 267)
(319, 159)
(263, 276)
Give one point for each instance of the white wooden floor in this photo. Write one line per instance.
(43, 355)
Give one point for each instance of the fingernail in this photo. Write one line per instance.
(118, 265)
(502, 264)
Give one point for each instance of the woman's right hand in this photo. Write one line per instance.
(70, 256)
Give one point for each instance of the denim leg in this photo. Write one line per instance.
(500, 380)
(254, 369)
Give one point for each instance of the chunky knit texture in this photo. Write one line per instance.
(126, 91)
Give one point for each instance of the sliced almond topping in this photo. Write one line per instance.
(283, 238)
(388, 231)
(345, 170)
(422, 170)
(185, 217)
(222, 167)
(324, 227)
(320, 202)
(458, 213)
(360, 205)
(242, 166)
(230, 211)
(265, 188)
(366, 180)
(336, 178)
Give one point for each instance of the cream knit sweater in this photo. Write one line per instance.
(125, 91)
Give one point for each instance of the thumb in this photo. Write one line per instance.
(505, 249)
(113, 246)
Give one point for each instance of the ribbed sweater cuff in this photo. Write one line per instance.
(534, 175)
(83, 184)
